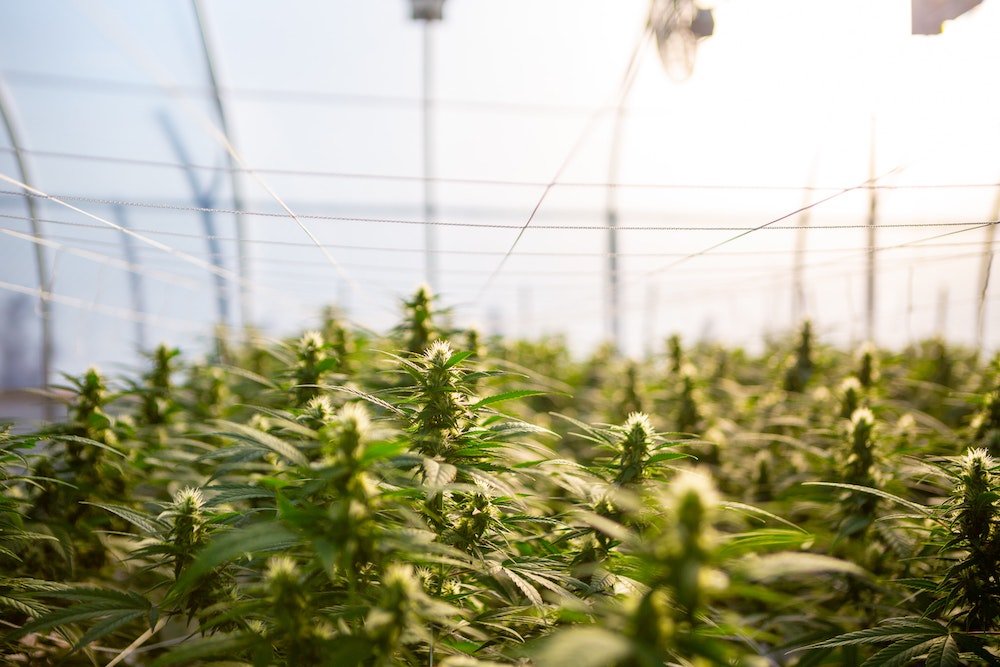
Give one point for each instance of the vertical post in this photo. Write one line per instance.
(613, 314)
(41, 267)
(941, 312)
(524, 311)
(430, 231)
(798, 263)
(872, 219)
(242, 256)
(650, 319)
(909, 306)
(203, 200)
(428, 11)
(613, 325)
(134, 279)
(985, 267)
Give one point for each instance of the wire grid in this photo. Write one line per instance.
(164, 262)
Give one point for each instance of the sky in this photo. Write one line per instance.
(323, 102)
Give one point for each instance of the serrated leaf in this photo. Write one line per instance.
(890, 630)
(437, 473)
(107, 626)
(750, 509)
(505, 396)
(28, 607)
(255, 436)
(148, 524)
(900, 653)
(527, 589)
(237, 493)
(99, 605)
(925, 511)
(87, 441)
(254, 539)
(944, 653)
(375, 400)
(784, 564)
(457, 358)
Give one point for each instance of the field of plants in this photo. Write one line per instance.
(428, 497)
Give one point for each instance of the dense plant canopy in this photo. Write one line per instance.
(431, 498)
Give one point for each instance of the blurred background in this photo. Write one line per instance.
(602, 169)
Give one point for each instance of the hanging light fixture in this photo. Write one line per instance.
(427, 10)
(678, 26)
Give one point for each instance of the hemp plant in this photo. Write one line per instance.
(959, 599)
(801, 366)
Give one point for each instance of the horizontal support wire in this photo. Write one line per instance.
(406, 178)
(174, 279)
(745, 281)
(401, 221)
(139, 236)
(114, 311)
(305, 262)
(779, 278)
(277, 96)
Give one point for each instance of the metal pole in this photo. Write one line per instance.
(650, 323)
(798, 264)
(430, 231)
(242, 256)
(41, 267)
(134, 280)
(613, 321)
(985, 267)
(204, 200)
(941, 312)
(872, 218)
(613, 317)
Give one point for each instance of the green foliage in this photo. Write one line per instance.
(435, 498)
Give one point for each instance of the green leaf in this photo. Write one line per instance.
(368, 397)
(944, 653)
(219, 645)
(750, 509)
(254, 539)
(917, 507)
(235, 493)
(583, 647)
(741, 543)
(505, 396)
(438, 474)
(89, 442)
(457, 358)
(146, 523)
(893, 629)
(786, 563)
(107, 626)
(28, 607)
(255, 436)
(527, 589)
(901, 652)
(98, 604)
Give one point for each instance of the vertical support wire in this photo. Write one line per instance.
(242, 258)
(44, 284)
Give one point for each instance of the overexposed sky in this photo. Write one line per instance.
(784, 95)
